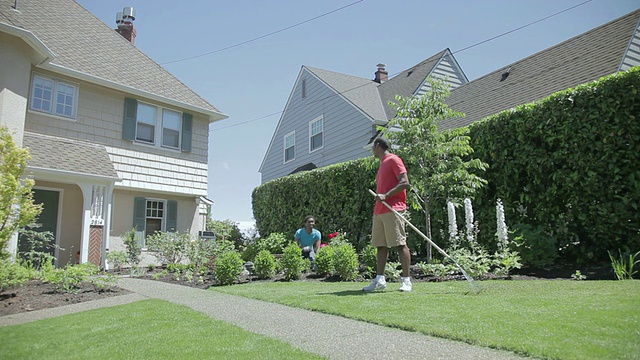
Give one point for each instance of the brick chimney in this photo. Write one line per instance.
(381, 75)
(125, 19)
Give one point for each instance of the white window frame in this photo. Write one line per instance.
(159, 126)
(312, 134)
(291, 135)
(163, 218)
(57, 89)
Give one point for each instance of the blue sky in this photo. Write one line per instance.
(251, 82)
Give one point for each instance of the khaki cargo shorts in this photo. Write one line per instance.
(388, 230)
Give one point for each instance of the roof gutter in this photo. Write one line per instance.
(69, 176)
(40, 48)
(213, 115)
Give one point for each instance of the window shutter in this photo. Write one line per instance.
(172, 215)
(129, 121)
(187, 124)
(139, 218)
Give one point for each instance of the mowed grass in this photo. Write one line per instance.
(541, 318)
(149, 329)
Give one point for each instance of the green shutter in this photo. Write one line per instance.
(140, 218)
(172, 216)
(129, 121)
(139, 213)
(187, 124)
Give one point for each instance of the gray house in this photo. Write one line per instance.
(330, 117)
(117, 142)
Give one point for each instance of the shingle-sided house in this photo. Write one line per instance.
(330, 117)
(343, 109)
(117, 142)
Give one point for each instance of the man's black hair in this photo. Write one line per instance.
(383, 142)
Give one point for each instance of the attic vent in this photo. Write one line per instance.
(505, 74)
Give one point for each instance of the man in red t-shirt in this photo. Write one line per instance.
(392, 183)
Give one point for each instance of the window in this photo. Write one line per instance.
(315, 134)
(157, 126)
(290, 146)
(171, 129)
(54, 97)
(146, 123)
(153, 215)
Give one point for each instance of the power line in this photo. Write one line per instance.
(455, 52)
(521, 27)
(262, 36)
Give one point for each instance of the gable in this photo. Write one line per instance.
(412, 81)
(346, 127)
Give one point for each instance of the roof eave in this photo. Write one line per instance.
(213, 115)
(38, 46)
(69, 176)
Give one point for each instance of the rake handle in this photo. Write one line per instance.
(410, 225)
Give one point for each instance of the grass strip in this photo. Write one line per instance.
(149, 329)
(542, 318)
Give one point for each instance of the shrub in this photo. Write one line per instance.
(265, 264)
(117, 258)
(346, 262)
(325, 260)
(391, 270)
(477, 264)
(292, 262)
(68, 279)
(12, 274)
(134, 249)
(228, 266)
(168, 247)
(435, 268)
(535, 246)
(370, 260)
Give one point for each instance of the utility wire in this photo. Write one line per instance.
(263, 36)
(393, 75)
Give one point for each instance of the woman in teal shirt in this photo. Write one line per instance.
(308, 239)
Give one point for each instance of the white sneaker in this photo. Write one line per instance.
(375, 285)
(406, 286)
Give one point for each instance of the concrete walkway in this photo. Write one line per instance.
(333, 337)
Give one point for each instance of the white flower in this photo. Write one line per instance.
(453, 227)
(502, 233)
(468, 216)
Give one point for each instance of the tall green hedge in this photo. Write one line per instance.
(568, 165)
(335, 195)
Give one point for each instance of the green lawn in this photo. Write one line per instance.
(542, 318)
(150, 329)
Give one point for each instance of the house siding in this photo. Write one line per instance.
(445, 69)
(632, 57)
(345, 129)
(99, 120)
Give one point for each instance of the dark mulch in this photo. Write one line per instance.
(36, 295)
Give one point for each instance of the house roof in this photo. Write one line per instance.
(361, 92)
(407, 82)
(586, 57)
(66, 156)
(88, 49)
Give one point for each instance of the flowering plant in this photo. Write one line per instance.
(333, 234)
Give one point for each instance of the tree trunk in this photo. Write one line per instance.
(427, 212)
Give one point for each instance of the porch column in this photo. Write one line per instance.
(87, 192)
(108, 196)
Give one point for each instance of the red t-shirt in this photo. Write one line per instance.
(391, 166)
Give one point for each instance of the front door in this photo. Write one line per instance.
(48, 220)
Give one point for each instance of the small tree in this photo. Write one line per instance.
(17, 208)
(439, 162)
(226, 230)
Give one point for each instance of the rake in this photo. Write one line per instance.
(474, 285)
